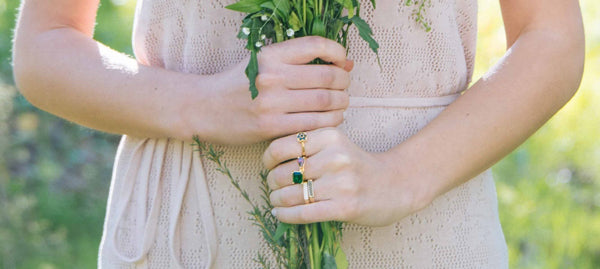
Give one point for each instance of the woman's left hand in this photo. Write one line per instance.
(350, 184)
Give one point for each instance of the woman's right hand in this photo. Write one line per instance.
(293, 95)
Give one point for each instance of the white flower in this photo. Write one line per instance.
(264, 17)
(290, 32)
(246, 30)
(258, 44)
(263, 37)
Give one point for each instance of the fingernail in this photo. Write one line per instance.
(274, 212)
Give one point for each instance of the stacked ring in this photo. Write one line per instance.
(310, 190)
(306, 192)
(298, 176)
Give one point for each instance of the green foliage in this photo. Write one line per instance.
(281, 20)
(54, 175)
(549, 188)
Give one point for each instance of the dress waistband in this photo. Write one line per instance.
(403, 102)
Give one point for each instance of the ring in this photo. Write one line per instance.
(297, 177)
(305, 191)
(311, 193)
(301, 138)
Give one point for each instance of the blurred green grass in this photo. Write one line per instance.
(54, 175)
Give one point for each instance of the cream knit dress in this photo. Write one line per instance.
(168, 208)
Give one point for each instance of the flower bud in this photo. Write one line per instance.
(258, 44)
(290, 32)
(246, 30)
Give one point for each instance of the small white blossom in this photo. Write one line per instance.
(258, 44)
(264, 17)
(290, 32)
(246, 30)
(263, 37)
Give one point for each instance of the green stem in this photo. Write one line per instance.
(314, 240)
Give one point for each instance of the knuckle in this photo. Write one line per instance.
(266, 125)
(266, 80)
(335, 136)
(319, 43)
(338, 118)
(324, 99)
(286, 200)
(276, 151)
(271, 180)
(342, 160)
(262, 104)
(350, 209)
(327, 76)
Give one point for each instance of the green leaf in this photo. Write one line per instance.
(365, 32)
(340, 259)
(328, 261)
(279, 7)
(246, 6)
(281, 229)
(295, 22)
(318, 28)
(374, 5)
(252, 73)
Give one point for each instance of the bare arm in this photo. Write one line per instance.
(60, 68)
(539, 73)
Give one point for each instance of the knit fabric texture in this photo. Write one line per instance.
(170, 208)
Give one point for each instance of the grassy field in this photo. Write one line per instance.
(54, 175)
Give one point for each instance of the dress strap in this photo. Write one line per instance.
(208, 217)
(146, 156)
(138, 169)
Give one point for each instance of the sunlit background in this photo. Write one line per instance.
(54, 175)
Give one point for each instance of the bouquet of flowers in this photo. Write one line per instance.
(315, 245)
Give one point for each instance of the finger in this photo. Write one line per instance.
(349, 65)
(314, 100)
(316, 76)
(293, 195)
(287, 148)
(309, 213)
(305, 49)
(315, 167)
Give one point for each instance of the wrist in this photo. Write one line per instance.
(191, 107)
(411, 177)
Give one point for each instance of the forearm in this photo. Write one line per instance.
(66, 73)
(516, 97)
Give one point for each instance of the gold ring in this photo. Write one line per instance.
(305, 191)
(311, 193)
(301, 138)
(301, 161)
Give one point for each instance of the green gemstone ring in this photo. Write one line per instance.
(297, 177)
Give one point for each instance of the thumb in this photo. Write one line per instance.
(349, 65)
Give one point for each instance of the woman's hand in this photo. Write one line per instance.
(293, 95)
(350, 184)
